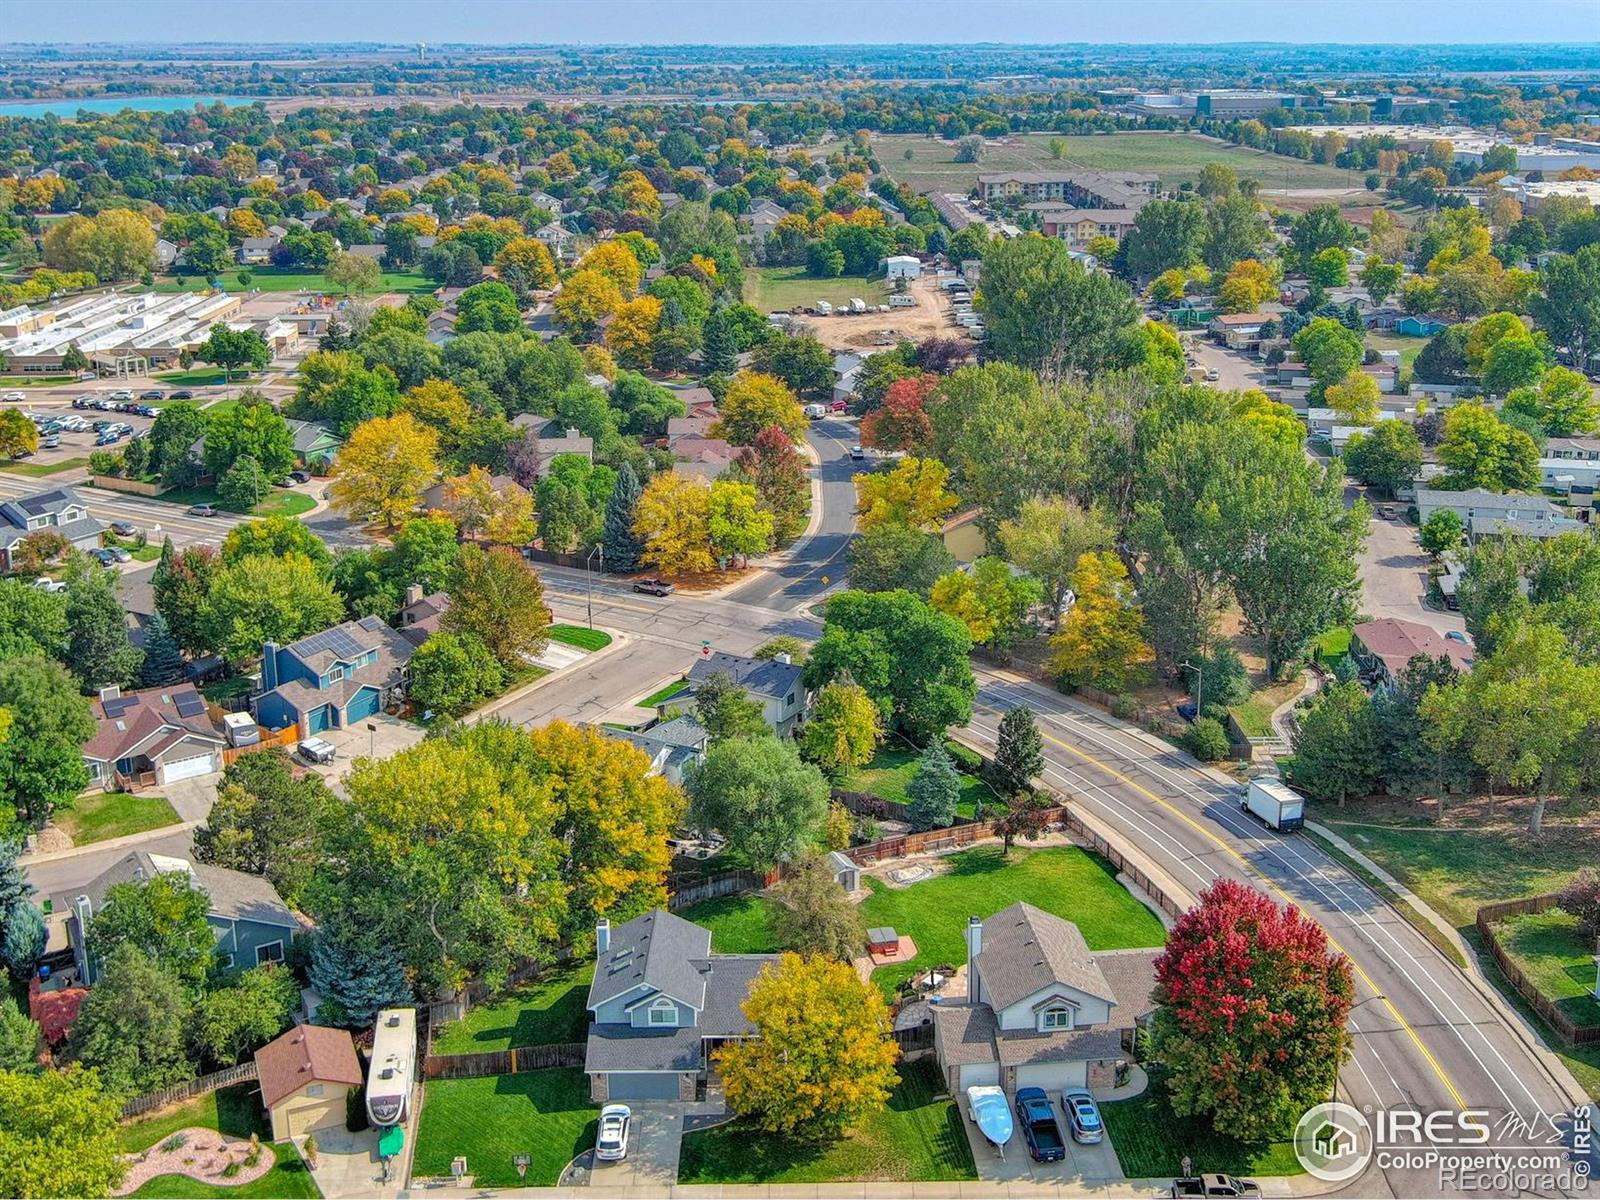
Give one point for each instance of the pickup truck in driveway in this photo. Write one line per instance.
(1037, 1116)
(1213, 1185)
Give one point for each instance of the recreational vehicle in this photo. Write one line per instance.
(394, 1066)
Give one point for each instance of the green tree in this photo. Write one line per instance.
(892, 555)
(131, 1024)
(804, 363)
(32, 620)
(623, 549)
(177, 428)
(163, 662)
(497, 597)
(1443, 532)
(760, 795)
(182, 581)
(19, 1039)
(1166, 234)
(1569, 307)
(1563, 403)
(243, 486)
(843, 729)
(725, 710)
(912, 660)
(1330, 352)
(231, 349)
(813, 915)
(275, 537)
(1018, 752)
(232, 1022)
(934, 790)
(59, 1135)
(1389, 457)
(1481, 451)
(41, 761)
(452, 673)
(163, 917)
(253, 429)
(357, 973)
(98, 651)
(1336, 745)
(260, 599)
(1380, 279)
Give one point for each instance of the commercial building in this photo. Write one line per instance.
(121, 334)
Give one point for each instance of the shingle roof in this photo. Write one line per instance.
(728, 978)
(1132, 976)
(624, 1048)
(1016, 1047)
(129, 723)
(232, 895)
(1397, 642)
(964, 1033)
(1026, 949)
(306, 1054)
(654, 951)
(759, 676)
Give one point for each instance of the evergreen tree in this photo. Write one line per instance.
(14, 885)
(1019, 751)
(24, 940)
(163, 662)
(719, 351)
(934, 790)
(356, 976)
(624, 550)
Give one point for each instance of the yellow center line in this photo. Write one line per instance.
(1256, 871)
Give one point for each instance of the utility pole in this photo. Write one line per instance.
(588, 576)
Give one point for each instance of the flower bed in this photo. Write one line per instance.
(201, 1154)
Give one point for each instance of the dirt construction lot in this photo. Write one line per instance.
(931, 317)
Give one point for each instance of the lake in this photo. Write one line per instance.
(67, 109)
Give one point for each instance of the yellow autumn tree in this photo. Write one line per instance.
(468, 499)
(755, 401)
(956, 595)
(632, 334)
(243, 223)
(442, 406)
(617, 263)
(636, 194)
(1248, 286)
(585, 299)
(597, 360)
(1101, 642)
(821, 1060)
(531, 257)
(382, 470)
(673, 520)
(511, 520)
(1354, 399)
(914, 494)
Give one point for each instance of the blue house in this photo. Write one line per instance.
(332, 679)
(1420, 326)
(253, 925)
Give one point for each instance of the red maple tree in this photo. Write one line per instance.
(901, 422)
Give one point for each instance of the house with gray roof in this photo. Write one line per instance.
(334, 678)
(252, 923)
(55, 510)
(1494, 514)
(662, 1004)
(1041, 1009)
(671, 744)
(773, 682)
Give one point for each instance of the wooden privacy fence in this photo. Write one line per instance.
(1548, 1009)
(244, 1072)
(713, 887)
(503, 1062)
(285, 739)
(950, 838)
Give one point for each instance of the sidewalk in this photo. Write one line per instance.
(120, 843)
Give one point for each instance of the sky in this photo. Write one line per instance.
(804, 22)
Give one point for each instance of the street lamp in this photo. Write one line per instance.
(588, 576)
(1199, 684)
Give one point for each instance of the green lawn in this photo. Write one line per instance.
(1409, 347)
(1151, 1141)
(94, 818)
(28, 381)
(196, 377)
(544, 1114)
(1064, 880)
(1255, 714)
(289, 1179)
(916, 1138)
(279, 503)
(148, 552)
(738, 924)
(226, 689)
(891, 770)
(664, 694)
(275, 279)
(774, 289)
(580, 636)
(235, 1111)
(38, 470)
(541, 1012)
(1557, 958)
(1175, 157)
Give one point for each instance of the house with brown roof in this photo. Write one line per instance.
(1384, 647)
(305, 1076)
(1239, 331)
(702, 457)
(151, 737)
(1041, 1010)
(547, 438)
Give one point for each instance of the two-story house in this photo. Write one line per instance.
(151, 738)
(334, 678)
(253, 925)
(775, 683)
(662, 1004)
(56, 510)
(1041, 1010)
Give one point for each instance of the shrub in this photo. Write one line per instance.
(355, 1109)
(1206, 740)
(1581, 898)
(965, 758)
(229, 1171)
(176, 1142)
(1124, 707)
(1215, 712)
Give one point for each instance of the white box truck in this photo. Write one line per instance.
(1275, 804)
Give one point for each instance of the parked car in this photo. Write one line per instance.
(152, 394)
(839, 406)
(107, 405)
(120, 394)
(315, 750)
(815, 412)
(1188, 711)
(107, 439)
(1213, 1185)
(300, 476)
(1386, 511)
(50, 441)
(653, 587)
(1455, 635)
(1083, 1117)
(43, 583)
(181, 394)
(201, 510)
(16, 397)
(611, 1141)
(104, 556)
(146, 410)
(124, 529)
(118, 554)
(1212, 375)
(81, 401)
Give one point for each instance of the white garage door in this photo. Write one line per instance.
(188, 768)
(1052, 1077)
(979, 1075)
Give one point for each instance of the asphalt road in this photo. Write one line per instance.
(1425, 1037)
(815, 563)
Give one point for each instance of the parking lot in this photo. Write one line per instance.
(77, 428)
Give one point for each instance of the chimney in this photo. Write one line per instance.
(572, 434)
(974, 938)
(413, 593)
(269, 666)
(110, 692)
(602, 938)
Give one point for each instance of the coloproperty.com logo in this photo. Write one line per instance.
(1335, 1142)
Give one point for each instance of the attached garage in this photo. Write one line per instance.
(318, 720)
(173, 770)
(978, 1075)
(642, 1085)
(362, 705)
(1052, 1077)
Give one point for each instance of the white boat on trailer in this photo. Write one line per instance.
(987, 1106)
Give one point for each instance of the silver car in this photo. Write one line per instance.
(611, 1142)
(1083, 1117)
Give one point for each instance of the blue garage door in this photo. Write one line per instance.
(363, 704)
(317, 719)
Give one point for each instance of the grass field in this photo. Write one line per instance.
(279, 503)
(1409, 347)
(1064, 880)
(105, 815)
(1255, 714)
(273, 279)
(198, 377)
(917, 1137)
(289, 1179)
(1175, 157)
(580, 636)
(40, 470)
(1556, 957)
(544, 1114)
(541, 1012)
(776, 289)
(662, 695)
(27, 381)
(892, 769)
(738, 924)
(1151, 1142)
(235, 1111)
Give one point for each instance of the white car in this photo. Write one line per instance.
(18, 397)
(611, 1143)
(123, 394)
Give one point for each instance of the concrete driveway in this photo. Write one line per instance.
(387, 737)
(654, 1141)
(1394, 572)
(1084, 1165)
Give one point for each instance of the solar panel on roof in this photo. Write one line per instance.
(115, 708)
(190, 705)
(337, 642)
